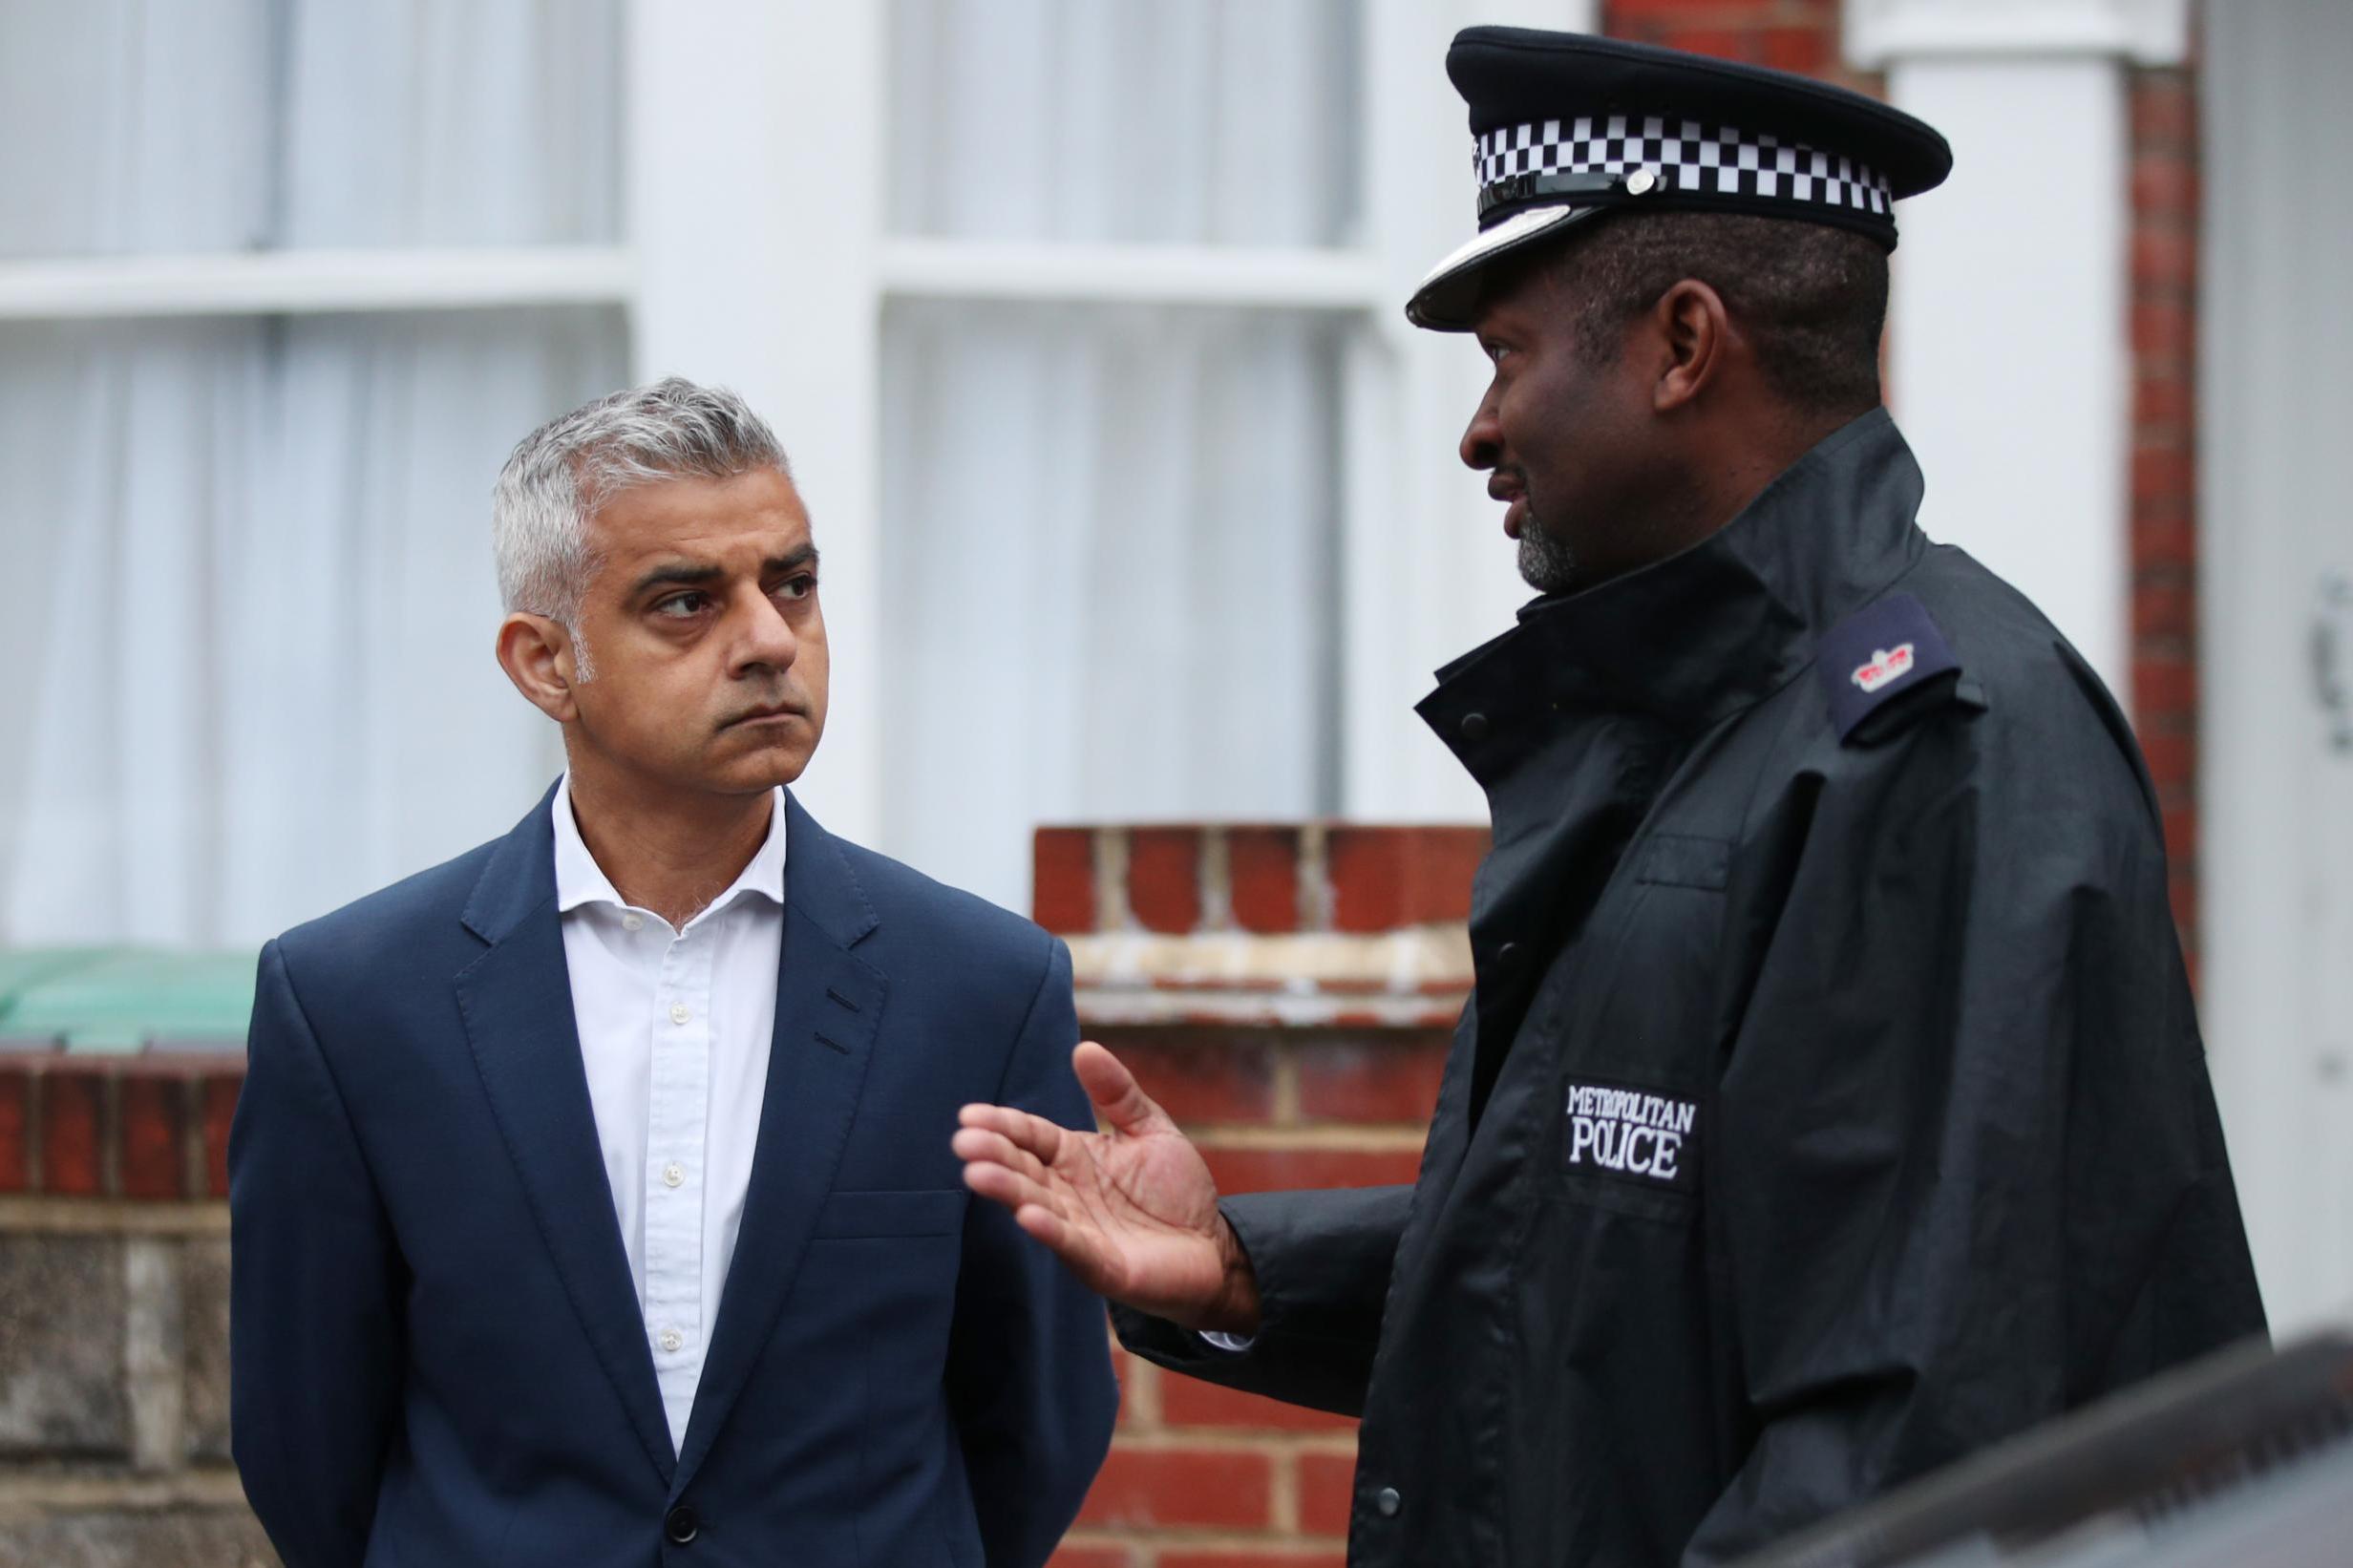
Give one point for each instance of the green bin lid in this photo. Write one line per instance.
(125, 999)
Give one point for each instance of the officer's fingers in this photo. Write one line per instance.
(1002, 1184)
(1035, 1135)
(973, 1144)
(1114, 1091)
(1081, 1252)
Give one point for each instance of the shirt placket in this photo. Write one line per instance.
(676, 1129)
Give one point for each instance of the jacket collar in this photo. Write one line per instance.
(519, 877)
(1709, 633)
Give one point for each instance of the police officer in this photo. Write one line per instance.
(1830, 1103)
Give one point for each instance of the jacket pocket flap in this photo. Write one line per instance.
(932, 1213)
(1677, 859)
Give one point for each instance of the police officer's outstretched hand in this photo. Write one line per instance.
(1132, 1210)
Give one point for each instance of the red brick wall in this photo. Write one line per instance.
(2165, 250)
(151, 1128)
(1803, 35)
(1800, 36)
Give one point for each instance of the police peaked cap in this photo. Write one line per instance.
(1569, 126)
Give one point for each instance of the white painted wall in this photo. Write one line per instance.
(2276, 531)
(2009, 348)
(2010, 357)
(2009, 361)
(1429, 574)
(754, 192)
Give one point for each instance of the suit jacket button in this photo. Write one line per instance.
(1388, 1501)
(681, 1525)
(1474, 727)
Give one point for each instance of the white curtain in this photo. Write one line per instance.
(1108, 533)
(247, 647)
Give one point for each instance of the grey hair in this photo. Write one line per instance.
(562, 471)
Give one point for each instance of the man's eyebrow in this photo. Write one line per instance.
(676, 574)
(685, 574)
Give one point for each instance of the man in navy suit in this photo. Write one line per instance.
(591, 1194)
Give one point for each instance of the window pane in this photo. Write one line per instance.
(1210, 122)
(208, 125)
(1109, 536)
(249, 627)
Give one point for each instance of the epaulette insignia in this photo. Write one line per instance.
(1886, 648)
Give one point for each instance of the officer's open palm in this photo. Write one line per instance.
(1131, 1211)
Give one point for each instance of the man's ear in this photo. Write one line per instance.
(536, 652)
(1692, 322)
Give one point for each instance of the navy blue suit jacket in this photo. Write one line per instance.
(438, 1359)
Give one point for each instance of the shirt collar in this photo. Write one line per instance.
(580, 880)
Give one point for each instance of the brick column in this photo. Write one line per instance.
(1288, 994)
(2165, 654)
(114, 1314)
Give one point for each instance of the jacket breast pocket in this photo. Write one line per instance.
(1637, 1071)
(1647, 1008)
(857, 1216)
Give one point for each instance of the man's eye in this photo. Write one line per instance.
(679, 605)
(796, 588)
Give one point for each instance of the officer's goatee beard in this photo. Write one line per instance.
(1546, 563)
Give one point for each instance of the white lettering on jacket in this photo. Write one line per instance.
(1628, 1132)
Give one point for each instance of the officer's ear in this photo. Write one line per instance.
(1692, 325)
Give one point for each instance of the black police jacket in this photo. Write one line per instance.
(1830, 1102)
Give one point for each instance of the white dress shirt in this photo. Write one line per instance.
(674, 1030)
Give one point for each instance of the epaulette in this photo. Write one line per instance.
(1874, 659)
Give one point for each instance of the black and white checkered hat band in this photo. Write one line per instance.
(1714, 160)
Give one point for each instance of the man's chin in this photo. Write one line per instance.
(763, 755)
(1546, 563)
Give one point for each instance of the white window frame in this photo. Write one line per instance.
(791, 311)
(758, 256)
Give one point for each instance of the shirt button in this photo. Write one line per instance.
(633, 923)
(1474, 727)
(672, 1339)
(674, 1174)
(1388, 1501)
(680, 1012)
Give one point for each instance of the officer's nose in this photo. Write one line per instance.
(1482, 441)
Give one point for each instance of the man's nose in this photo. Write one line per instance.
(1482, 440)
(763, 637)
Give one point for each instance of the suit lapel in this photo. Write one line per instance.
(828, 1003)
(516, 1002)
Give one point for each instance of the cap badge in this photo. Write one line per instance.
(1886, 664)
